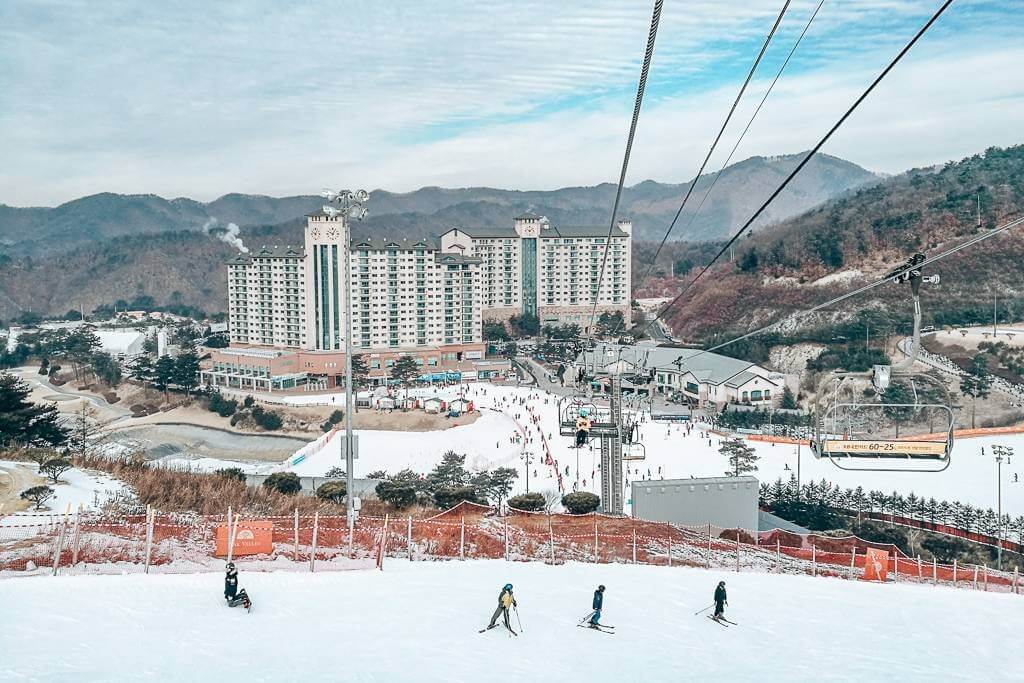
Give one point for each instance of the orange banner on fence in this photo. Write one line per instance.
(251, 538)
(876, 565)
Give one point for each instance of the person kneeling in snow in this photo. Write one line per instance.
(233, 596)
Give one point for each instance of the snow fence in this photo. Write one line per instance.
(97, 543)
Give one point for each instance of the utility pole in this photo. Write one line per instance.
(1000, 451)
(351, 209)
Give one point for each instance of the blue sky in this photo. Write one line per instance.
(199, 99)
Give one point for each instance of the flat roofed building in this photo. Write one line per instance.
(722, 502)
(534, 267)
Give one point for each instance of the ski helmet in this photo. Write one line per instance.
(584, 412)
(721, 583)
(231, 566)
(508, 586)
(601, 588)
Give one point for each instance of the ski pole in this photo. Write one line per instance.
(518, 620)
(705, 609)
(588, 616)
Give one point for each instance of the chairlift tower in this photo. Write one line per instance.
(612, 484)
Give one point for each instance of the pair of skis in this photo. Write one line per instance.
(510, 631)
(603, 628)
(722, 621)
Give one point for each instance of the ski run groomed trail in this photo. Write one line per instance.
(420, 622)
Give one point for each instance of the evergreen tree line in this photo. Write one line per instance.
(822, 506)
(447, 485)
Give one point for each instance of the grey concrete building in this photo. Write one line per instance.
(726, 502)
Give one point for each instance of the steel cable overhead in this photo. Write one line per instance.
(721, 131)
(768, 92)
(648, 54)
(860, 290)
(805, 160)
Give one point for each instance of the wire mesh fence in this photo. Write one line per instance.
(96, 543)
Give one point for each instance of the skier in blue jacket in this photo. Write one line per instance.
(596, 605)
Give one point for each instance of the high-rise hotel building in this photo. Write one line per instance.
(426, 298)
(551, 272)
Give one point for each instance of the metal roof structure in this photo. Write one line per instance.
(710, 368)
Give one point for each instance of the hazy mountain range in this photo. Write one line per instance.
(106, 247)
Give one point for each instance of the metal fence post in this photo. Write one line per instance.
(737, 550)
(60, 539)
(150, 514)
(707, 557)
(75, 538)
(670, 548)
(954, 572)
(814, 560)
(918, 566)
(853, 562)
(634, 545)
(231, 539)
(595, 539)
(295, 547)
(1015, 580)
(975, 582)
(506, 540)
(935, 571)
(551, 539)
(408, 537)
(316, 528)
(462, 540)
(986, 577)
(896, 565)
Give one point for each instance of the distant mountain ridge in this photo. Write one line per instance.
(430, 210)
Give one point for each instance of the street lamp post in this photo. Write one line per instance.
(351, 208)
(1000, 452)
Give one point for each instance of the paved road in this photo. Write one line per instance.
(32, 376)
(656, 331)
(13, 480)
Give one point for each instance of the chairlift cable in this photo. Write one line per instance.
(789, 178)
(739, 140)
(641, 85)
(721, 131)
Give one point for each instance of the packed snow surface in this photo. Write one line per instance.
(672, 451)
(419, 622)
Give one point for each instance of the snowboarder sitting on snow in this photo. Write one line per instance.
(505, 601)
(596, 605)
(582, 427)
(231, 593)
(721, 600)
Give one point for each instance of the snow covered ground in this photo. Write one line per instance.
(420, 621)
(670, 453)
(76, 487)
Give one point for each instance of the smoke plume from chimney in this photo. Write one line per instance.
(228, 233)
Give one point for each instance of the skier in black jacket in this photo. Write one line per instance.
(721, 600)
(233, 596)
(596, 606)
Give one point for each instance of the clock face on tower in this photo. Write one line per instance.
(315, 233)
(333, 233)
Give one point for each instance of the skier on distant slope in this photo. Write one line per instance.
(231, 594)
(721, 600)
(505, 601)
(596, 605)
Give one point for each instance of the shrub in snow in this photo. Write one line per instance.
(336, 417)
(283, 482)
(231, 473)
(267, 419)
(580, 502)
(450, 497)
(335, 473)
(397, 493)
(54, 468)
(37, 495)
(531, 502)
(331, 491)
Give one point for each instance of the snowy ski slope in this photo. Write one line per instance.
(419, 622)
(970, 479)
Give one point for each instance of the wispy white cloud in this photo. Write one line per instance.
(199, 99)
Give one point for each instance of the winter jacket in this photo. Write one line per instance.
(230, 585)
(506, 599)
(720, 594)
(598, 600)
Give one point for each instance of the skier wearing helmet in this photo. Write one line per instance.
(721, 600)
(232, 595)
(596, 605)
(505, 601)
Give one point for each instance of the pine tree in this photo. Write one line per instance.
(788, 399)
(163, 374)
(23, 423)
(141, 369)
(742, 458)
(186, 371)
(404, 371)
